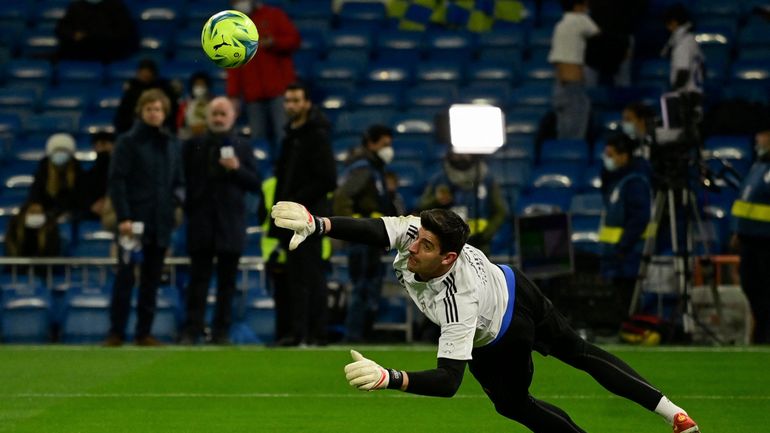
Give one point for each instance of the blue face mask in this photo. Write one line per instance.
(60, 158)
(629, 129)
(609, 163)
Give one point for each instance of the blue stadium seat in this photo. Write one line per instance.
(398, 46)
(377, 98)
(747, 90)
(349, 39)
(501, 39)
(754, 35)
(431, 95)
(532, 95)
(196, 13)
(413, 125)
(510, 172)
(412, 148)
(25, 314)
(124, 70)
(448, 46)
(543, 200)
(356, 122)
(489, 72)
(522, 124)
(439, 72)
(485, 93)
(654, 69)
(79, 75)
(327, 72)
(751, 71)
(92, 123)
(719, 8)
(341, 146)
(591, 179)
(156, 16)
(187, 46)
(64, 100)
(107, 99)
(387, 76)
(49, 123)
(28, 73)
(336, 97)
(39, 44)
(538, 72)
(10, 123)
(19, 101)
(558, 175)
(355, 13)
(166, 321)
(86, 315)
(564, 150)
(509, 57)
(410, 173)
(154, 46)
(585, 233)
(260, 317)
(734, 150)
(356, 56)
(309, 10)
(589, 203)
(94, 242)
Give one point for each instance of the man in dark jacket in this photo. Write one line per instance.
(98, 30)
(627, 196)
(147, 77)
(145, 173)
(362, 193)
(220, 169)
(306, 172)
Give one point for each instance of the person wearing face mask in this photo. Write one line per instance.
(636, 123)
(627, 197)
(261, 83)
(219, 168)
(191, 117)
(58, 178)
(94, 186)
(466, 186)
(96, 30)
(31, 233)
(362, 192)
(751, 224)
(305, 168)
(145, 186)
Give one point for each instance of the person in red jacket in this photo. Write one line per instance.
(262, 82)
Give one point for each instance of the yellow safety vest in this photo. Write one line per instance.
(751, 211)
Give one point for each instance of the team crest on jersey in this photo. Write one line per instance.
(447, 348)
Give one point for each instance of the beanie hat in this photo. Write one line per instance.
(60, 141)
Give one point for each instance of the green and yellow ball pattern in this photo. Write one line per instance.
(230, 39)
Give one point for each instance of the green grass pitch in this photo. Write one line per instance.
(246, 389)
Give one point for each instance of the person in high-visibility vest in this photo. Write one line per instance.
(627, 197)
(362, 192)
(466, 186)
(751, 222)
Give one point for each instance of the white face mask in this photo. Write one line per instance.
(242, 6)
(199, 91)
(629, 129)
(609, 163)
(34, 220)
(60, 158)
(386, 154)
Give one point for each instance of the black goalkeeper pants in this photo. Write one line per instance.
(505, 368)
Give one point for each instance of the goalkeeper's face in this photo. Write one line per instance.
(425, 257)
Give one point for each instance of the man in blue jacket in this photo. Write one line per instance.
(751, 218)
(627, 206)
(220, 169)
(144, 174)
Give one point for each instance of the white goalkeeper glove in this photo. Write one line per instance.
(294, 216)
(367, 375)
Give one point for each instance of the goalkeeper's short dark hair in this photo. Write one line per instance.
(452, 232)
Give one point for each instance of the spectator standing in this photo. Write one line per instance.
(191, 117)
(627, 197)
(96, 30)
(305, 170)
(570, 100)
(686, 74)
(466, 186)
(94, 186)
(219, 169)
(751, 219)
(57, 178)
(362, 192)
(147, 77)
(144, 181)
(261, 83)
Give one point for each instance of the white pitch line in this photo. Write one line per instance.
(346, 395)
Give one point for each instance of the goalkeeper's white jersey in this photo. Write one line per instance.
(468, 302)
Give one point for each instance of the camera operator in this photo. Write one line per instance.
(751, 219)
(627, 197)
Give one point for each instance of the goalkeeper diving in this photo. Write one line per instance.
(491, 316)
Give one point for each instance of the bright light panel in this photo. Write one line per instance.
(476, 129)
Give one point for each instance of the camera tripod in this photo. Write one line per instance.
(667, 199)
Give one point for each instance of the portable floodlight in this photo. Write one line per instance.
(476, 129)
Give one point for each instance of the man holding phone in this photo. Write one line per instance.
(221, 169)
